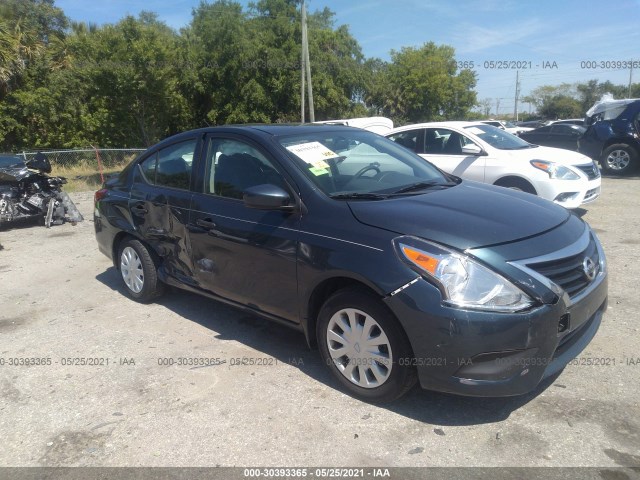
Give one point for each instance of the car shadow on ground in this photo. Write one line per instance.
(629, 176)
(21, 223)
(289, 346)
(579, 212)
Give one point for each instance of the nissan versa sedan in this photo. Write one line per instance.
(397, 272)
(487, 154)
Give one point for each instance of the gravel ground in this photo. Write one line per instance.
(61, 300)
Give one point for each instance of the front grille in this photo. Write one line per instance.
(569, 272)
(591, 170)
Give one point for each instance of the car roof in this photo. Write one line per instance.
(268, 129)
(290, 129)
(444, 124)
(568, 120)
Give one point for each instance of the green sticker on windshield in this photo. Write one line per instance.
(317, 171)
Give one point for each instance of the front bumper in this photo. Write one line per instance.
(571, 193)
(487, 354)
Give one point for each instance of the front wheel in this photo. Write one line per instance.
(138, 270)
(517, 184)
(619, 159)
(365, 347)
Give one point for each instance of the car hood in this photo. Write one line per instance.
(550, 154)
(468, 215)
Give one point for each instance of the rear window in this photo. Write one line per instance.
(11, 161)
(171, 166)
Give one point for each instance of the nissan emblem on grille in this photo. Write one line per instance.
(589, 268)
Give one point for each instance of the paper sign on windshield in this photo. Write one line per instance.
(475, 130)
(313, 153)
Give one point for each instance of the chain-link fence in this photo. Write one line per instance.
(101, 157)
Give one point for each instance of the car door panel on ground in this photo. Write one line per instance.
(229, 239)
(160, 201)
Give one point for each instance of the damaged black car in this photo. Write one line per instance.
(27, 192)
(397, 272)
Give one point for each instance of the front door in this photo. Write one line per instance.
(240, 253)
(443, 148)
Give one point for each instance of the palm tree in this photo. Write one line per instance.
(17, 47)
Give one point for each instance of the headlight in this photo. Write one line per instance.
(555, 170)
(463, 282)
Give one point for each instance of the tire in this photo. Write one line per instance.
(619, 159)
(138, 271)
(377, 374)
(516, 184)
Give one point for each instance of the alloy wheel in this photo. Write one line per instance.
(618, 160)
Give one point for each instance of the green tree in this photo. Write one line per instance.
(131, 74)
(26, 29)
(424, 84)
(561, 106)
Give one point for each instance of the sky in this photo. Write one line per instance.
(547, 42)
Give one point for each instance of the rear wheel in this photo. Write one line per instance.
(139, 271)
(365, 347)
(619, 159)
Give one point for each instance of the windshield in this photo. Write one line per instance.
(498, 138)
(12, 161)
(361, 163)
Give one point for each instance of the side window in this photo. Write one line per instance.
(148, 168)
(233, 166)
(561, 129)
(171, 166)
(411, 139)
(433, 141)
(174, 165)
(453, 141)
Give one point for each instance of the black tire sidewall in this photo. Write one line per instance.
(151, 287)
(403, 375)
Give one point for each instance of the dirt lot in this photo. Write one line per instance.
(60, 300)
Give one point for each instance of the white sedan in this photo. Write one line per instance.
(480, 152)
(508, 126)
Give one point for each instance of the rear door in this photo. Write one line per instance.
(539, 136)
(564, 136)
(160, 200)
(240, 253)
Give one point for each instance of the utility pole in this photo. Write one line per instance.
(497, 106)
(306, 65)
(630, 77)
(302, 68)
(515, 108)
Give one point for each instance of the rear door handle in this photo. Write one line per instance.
(205, 223)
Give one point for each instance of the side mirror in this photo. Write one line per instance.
(267, 197)
(472, 149)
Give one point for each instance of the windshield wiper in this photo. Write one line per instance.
(358, 196)
(422, 186)
(519, 147)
